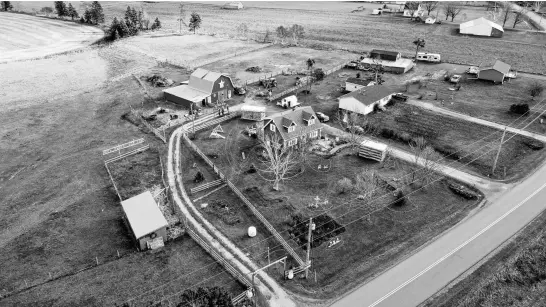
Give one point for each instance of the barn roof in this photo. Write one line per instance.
(500, 67)
(187, 92)
(143, 214)
(358, 81)
(203, 80)
(295, 116)
(369, 94)
(478, 22)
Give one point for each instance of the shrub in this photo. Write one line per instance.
(319, 74)
(535, 89)
(521, 108)
(405, 137)
(400, 198)
(343, 185)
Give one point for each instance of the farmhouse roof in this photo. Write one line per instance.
(370, 94)
(480, 21)
(358, 81)
(143, 214)
(187, 92)
(306, 115)
(500, 67)
(295, 116)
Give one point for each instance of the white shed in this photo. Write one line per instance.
(430, 20)
(236, 5)
(373, 150)
(481, 27)
(255, 113)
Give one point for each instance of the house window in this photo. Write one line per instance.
(272, 127)
(311, 122)
(293, 142)
(229, 94)
(313, 134)
(208, 99)
(291, 129)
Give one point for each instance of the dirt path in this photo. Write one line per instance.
(27, 37)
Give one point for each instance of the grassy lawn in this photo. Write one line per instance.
(459, 140)
(368, 244)
(512, 277)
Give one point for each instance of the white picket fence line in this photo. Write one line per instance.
(143, 148)
(205, 186)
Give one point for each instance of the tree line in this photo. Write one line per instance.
(133, 23)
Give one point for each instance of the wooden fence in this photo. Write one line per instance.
(160, 133)
(262, 219)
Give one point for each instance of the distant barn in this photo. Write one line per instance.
(233, 6)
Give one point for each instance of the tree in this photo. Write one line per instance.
(425, 158)
(72, 13)
(446, 10)
(97, 15)
(282, 33)
(310, 62)
(505, 14)
(143, 19)
(6, 6)
(181, 16)
(157, 24)
(535, 89)
(205, 297)
(419, 43)
(195, 22)
(46, 10)
(242, 30)
(279, 163)
(113, 33)
(298, 33)
(131, 20)
(518, 17)
(267, 36)
(123, 29)
(454, 9)
(87, 16)
(61, 9)
(430, 6)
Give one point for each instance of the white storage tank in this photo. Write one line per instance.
(252, 231)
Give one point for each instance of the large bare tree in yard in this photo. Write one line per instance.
(535, 89)
(419, 43)
(452, 9)
(181, 16)
(356, 126)
(505, 14)
(425, 158)
(519, 15)
(430, 6)
(279, 163)
(298, 33)
(282, 33)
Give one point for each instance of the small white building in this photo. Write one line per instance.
(145, 220)
(353, 84)
(373, 150)
(430, 20)
(481, 27)
(236, 5)
(255, 113)
(364, 100)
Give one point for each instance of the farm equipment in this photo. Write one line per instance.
(289, 102)
(322, 117)
(159, 81)
(400, 96)
(455, 79)
(254, 69)
(472, 70)
(240, 90)
(268, 82)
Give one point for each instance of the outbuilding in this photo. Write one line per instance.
(145, 220)
(481, 27)
(204, 87)
(385, 55)
(495, 73)
(353, 84)
(236, 5)
(364, 100)
(373, 150)
(430, 20)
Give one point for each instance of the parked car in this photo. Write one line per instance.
(400, 96)
(322, 117)
(240, 90)
(352, 64)
(455, 79)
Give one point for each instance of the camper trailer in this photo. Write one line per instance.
(428, 57)
(288, 102)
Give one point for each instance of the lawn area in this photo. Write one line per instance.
(484, 100)
(369, 244)
(465, 142)
(514, 276)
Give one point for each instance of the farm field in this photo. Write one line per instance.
(368, 245)
(459, 140)
(26, 37)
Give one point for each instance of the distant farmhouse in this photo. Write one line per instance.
(481, 27)
(293, 127)
(365, 100)
(236, 5)
(413, 9)
(204, 87)
(496, 73)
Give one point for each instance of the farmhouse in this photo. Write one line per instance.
(364, 100)
(204, 87)
(236, 5)
(413, 9)
(481, 27)
(353, 84)
(147, 224)
(495, 73)
(292, 127)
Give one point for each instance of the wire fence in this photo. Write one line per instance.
(160, 133)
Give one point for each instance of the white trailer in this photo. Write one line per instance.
(428, 57)
(288, 102)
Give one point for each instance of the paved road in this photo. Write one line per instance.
(420, 276)
(430, 106)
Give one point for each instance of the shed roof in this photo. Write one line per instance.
(187, 92)
(385, 52)
(369, 94)
(478, 22)
(294, 116)
(143, 214)
(374, 145)
(499, 66)
(358, 81)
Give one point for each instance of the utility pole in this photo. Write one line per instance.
(309, 234)
(498, 152)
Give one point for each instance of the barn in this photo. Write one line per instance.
(365, 100)
(205, 87)
(145, 220)
(481, 27)
(495, 73)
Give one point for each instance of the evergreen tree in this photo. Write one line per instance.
(113, 30)
(88, 16)
(195, 22)
(97, 15)
(60, 7)
(6, 6)
(82, 20)
(123, 30)
(72, 12)
(157, 24)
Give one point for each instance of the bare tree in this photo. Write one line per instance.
(535, 89)
(537, 5)
(518, 17)
(298, 33)
(430, 6)
(455, 9)
(425, 158)
(505, 14)
(377, 69)
(446, 10)
(282, 33)
(242, 30)
(419, 43)
(356, 126)
(279, 162)
(181, 16)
